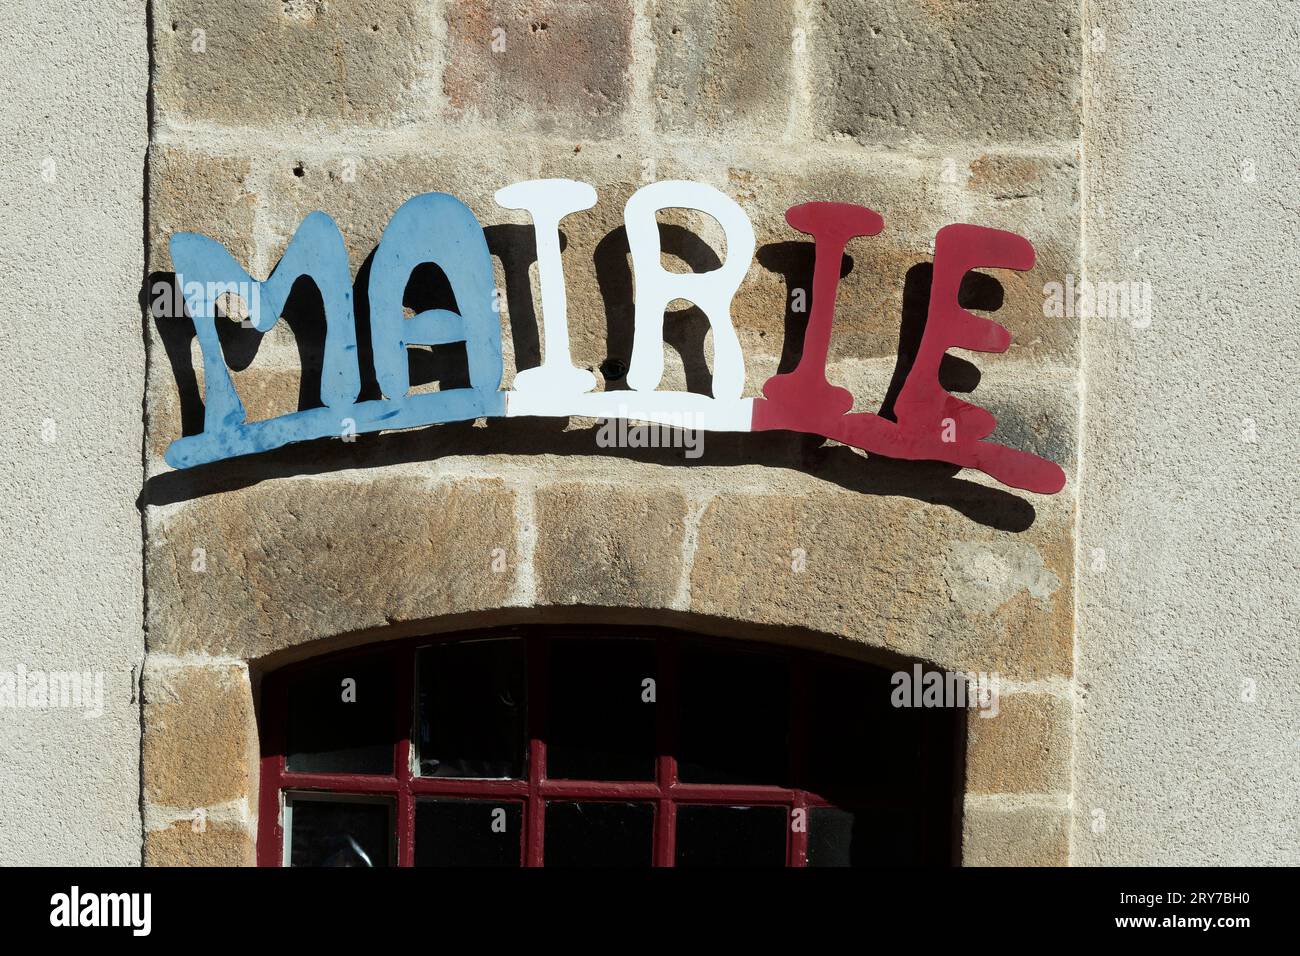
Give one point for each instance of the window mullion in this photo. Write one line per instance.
(404, 680)
(665, 833)
(798, 747)
(270, 829)
(534, 830)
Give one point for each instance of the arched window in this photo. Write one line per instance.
(600, 746)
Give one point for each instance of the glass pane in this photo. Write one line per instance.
(863, 838)
(339, 832)
(857, 739)
(342, 718)
(734, 720)
(599, 834)
(600, 724)
(472, 709)
(468, 833)
(731, 836)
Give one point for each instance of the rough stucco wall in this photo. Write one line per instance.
(75, 93)
(1191, 449)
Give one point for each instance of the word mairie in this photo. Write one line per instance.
(438, 228)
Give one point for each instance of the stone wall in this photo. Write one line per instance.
(928, 111)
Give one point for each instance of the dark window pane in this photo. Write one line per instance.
(599, 834)
(468, 833)
(884, 837)
(600, 725)
(339, 832)
(342, 718)
(472, 709)
(857, 739)
(731, 836)
(734, 718)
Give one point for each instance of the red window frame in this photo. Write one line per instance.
(666, 791)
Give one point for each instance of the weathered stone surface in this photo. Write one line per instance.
(1037, 411)
(598, 277)
(722, 65)
(194, 191)
(609, 545)
(189, 191)
(1037, 414)
(363, 61)
(1025, 631)
(547, 66)
(218, 845)
(293, 560)
(877, 570)
(946, 71)
(880, 305)
(266, 393)
(200, 735)
(1024, 749)
(1011, 835)
(881, 302)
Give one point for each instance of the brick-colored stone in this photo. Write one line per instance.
(723, 65)
(608, 545)
(940, 72)
(368, 62)
(217, 845)
(1012, 835)
(200, 735)
(549, 66)
(1024, 749)
(294, 560)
